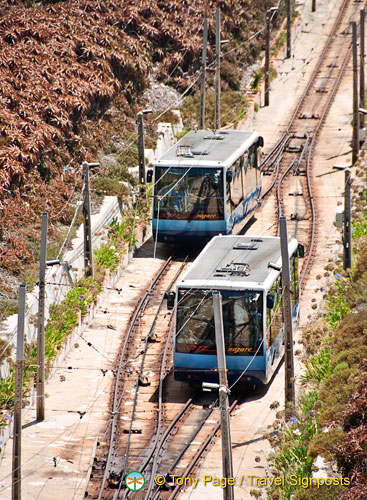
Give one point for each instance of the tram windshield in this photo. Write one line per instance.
(189, 193)
(242, 321)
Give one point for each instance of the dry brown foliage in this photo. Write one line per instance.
(62, 64)
(353, 453)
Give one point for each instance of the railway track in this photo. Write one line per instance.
(142, 363)
(290, 161)
(150, 448)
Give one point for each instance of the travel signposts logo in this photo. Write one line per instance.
(134, 480)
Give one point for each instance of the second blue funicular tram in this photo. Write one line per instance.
(246, 270)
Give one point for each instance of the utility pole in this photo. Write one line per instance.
(227, 468)
(267, 54)
(287, 314)
(347, 239)
(203, 76)
(40, 405)
(355, 139)
(267, 58)
(362, 95)
(141, 155)
(88, 250)
(289, 23)
(16, 493)
(217, 70)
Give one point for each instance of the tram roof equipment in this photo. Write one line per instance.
(211, 147)
(233, 262)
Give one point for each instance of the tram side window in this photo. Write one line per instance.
(234, 188)
(250, 170)
(274, 316)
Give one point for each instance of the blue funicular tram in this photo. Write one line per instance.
(246, 270)
(207, 184)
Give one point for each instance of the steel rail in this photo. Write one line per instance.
(309, 160)
(163, 370)
(122, 362)
(197, 456)
(319, 63)
(301, 102)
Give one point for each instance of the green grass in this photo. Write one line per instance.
(318, 368)
(360, 227)
(279, 43)
(338, 308)
(64, 317)
(233, 108)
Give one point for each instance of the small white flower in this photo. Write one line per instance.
(112, 247)
(297, 432)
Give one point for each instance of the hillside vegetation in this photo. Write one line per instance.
(329, 420)
(72, 75)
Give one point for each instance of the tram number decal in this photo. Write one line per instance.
(236, 350)
(205, 216)
(196, 347)
(206, 349)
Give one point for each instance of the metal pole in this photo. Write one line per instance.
(362, 94)
(203, 76)
(88, 250)
(267, 58)
(40, 405)
(347, 242)
(217, 72)
(141, 155)
(228, 493)
(16, 493)
(289, 23)
(287, 314)
(355, 140)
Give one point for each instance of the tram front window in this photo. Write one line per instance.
(189, 193)
(242, 321)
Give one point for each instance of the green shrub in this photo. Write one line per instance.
(8, 306)
(107, 257)
(7, 390)
(308, 401)
(360, 226)
(257, 77)
(361, 264)
(345, 343)
(335, 393)
(279, 43)
(318, 367)
(356, 292)
(324, 492)
(340, 366)
(233, 106)
(353, 357)
(326, 443)
(353, 326)
(338, 308)
(5, 349)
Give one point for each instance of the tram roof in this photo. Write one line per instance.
(236, 262)
(200, 147)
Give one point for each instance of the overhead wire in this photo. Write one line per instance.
(78, 206)
(48, 445)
